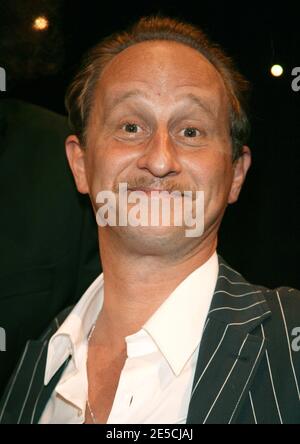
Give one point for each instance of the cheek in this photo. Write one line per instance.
(213, 174)
(96, 166)
(105, 165)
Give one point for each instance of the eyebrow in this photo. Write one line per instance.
(200, 103)
(127, 95)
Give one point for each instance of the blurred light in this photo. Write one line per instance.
(40, 23)
(276, 70)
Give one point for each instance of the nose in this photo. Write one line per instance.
(160, 157)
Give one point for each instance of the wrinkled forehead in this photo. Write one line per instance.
(163, 69)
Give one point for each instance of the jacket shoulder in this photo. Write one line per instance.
(284, 301)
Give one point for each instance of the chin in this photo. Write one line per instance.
(155, 240)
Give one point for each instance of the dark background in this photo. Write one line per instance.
(260, 234)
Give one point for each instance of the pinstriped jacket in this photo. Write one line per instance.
(248, 367)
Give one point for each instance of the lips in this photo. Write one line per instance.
(146, 190)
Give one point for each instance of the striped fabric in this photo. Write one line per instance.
(248, 371)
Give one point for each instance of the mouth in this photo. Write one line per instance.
(145, 190)
(148, 191)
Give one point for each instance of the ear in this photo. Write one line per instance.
(76, 157)
(241, 166)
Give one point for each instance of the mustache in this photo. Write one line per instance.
(143, 183)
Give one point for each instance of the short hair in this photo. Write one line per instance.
(79, 96)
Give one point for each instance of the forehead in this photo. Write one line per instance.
(163, 69)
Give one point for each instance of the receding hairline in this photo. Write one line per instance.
(161, 42)
(158, 42)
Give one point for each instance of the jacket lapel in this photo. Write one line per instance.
(26, 395)
(230, 350)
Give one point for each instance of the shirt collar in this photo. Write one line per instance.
(74, 330)
(176, 327)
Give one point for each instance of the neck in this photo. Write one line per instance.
(135, 285)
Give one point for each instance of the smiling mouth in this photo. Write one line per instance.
(148, 191)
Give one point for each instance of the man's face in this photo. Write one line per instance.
(160, 120)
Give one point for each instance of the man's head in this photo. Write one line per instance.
(160, 107)
(79, 97)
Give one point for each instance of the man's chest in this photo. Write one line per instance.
(103, 373)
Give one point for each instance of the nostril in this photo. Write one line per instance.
(159, 163)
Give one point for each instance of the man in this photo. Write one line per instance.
(169, 333)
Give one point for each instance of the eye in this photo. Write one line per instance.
(131, 127)
(191, 132)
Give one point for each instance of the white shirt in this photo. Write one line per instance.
(156, 380)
